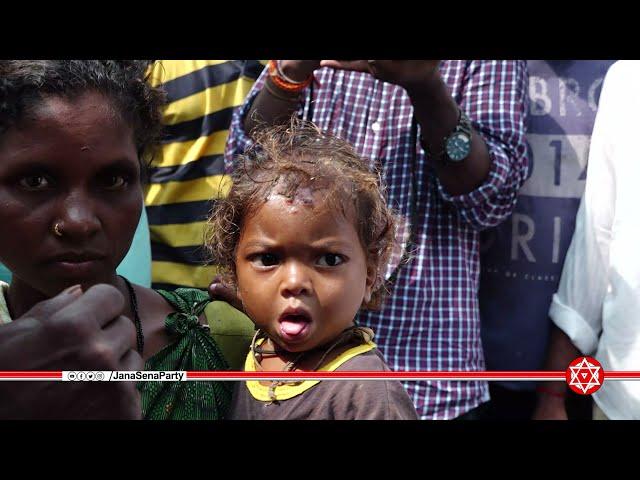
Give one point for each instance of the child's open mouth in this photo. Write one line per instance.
(294, 324)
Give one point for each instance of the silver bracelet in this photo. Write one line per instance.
(284, 77)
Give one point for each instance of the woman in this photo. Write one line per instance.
(72, 141)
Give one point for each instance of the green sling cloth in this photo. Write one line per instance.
(220, 345)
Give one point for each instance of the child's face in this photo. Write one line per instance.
(74, 163)
(302, 273)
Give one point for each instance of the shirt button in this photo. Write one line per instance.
(376, 127)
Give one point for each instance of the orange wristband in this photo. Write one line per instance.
(284, 84)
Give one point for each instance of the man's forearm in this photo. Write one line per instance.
(272, 106)
(437, 114)
(561, 352)
(551, 395)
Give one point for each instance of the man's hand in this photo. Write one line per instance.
(408, 74)
(298, 70)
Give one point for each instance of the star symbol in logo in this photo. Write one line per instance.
(585, 375)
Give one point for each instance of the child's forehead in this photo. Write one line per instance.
(308, 202)
(303, 196)
(298, 222)
(315, 189)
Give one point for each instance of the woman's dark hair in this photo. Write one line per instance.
(25, 84)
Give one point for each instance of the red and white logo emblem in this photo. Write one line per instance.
(584, 375)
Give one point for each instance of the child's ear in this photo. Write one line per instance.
(372, 273)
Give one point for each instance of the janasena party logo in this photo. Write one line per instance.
(584, 375)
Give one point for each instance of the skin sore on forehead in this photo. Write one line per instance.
(315, 202)
(318, 194)
(303, 197)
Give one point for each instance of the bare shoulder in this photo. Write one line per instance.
(151, 303)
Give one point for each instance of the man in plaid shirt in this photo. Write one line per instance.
(410, 116)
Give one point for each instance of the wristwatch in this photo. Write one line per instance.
(457, 145)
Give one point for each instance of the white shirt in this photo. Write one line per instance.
(598, 300)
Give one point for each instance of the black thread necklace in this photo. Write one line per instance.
(136, 317)
(363, 334)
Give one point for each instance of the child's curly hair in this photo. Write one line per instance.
(295, 156)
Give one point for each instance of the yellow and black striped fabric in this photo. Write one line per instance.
(188, 171)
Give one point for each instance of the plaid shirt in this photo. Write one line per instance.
(431, 319)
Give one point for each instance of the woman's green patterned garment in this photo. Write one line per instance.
(194, 349)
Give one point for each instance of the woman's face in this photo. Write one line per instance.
(71, 163)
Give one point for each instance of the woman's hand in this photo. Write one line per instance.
(71, 331)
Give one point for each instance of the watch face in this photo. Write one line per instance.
(458, 146)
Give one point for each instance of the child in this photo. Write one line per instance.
(304, 237)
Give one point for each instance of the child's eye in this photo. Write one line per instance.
(330, 260)
(265, 259)
(34, 182)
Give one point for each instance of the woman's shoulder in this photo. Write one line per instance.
(184, 300)
(230, 328)
(219, 315)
